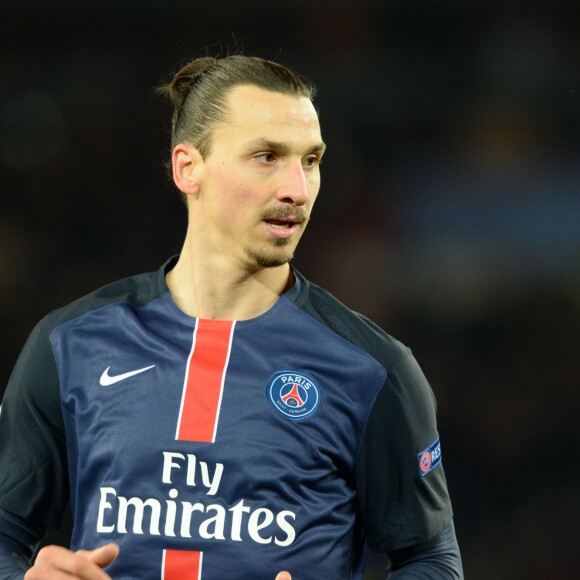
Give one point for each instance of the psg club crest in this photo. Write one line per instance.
(294, 395)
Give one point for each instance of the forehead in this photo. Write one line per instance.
(266, 114)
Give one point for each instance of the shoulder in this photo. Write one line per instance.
(136, 291)
(348, 324)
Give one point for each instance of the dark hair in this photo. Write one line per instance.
(199, 90)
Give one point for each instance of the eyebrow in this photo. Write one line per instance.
(283, 147)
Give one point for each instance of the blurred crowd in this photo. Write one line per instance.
(449, 210)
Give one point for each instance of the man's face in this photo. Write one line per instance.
(261, 177)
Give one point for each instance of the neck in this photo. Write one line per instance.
(214, 287)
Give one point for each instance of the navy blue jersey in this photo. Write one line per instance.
(222, 449)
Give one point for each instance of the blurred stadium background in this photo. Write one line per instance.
(449, 212)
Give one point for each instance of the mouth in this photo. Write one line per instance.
(283, 227)
(282, 222)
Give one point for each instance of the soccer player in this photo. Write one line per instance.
(224, 417)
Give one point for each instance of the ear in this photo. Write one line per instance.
(188, 166)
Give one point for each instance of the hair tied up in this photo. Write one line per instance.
(177, 89)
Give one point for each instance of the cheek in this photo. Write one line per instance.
(227, 190)
(234, 202)
(314, 187)
(232, 182)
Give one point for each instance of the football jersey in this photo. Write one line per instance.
(212, 449)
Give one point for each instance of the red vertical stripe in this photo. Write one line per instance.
(203, 386)
(181, 565)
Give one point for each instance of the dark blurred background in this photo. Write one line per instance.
(449, 212)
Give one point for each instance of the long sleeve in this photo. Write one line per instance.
(437, 560)
(18, 543)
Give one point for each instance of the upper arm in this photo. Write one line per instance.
(33, 464)
(400, 507)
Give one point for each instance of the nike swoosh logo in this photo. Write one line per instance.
(107, 380)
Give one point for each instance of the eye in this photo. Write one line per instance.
(312, 161)
(267, 157)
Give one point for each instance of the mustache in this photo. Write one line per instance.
(285, 212)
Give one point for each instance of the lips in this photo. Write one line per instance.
(282, 222)
(282, 227)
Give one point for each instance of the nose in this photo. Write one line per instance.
(294, 186)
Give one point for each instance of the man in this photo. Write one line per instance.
(224, 417)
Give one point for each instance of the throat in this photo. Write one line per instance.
(217, 298)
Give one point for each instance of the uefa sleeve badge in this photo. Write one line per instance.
(294, 395)
(429, 458)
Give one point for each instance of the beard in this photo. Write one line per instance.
(279, 255)
(281, 250)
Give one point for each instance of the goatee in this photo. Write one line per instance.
(272, 259)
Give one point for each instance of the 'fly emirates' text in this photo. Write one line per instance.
(186, 519)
